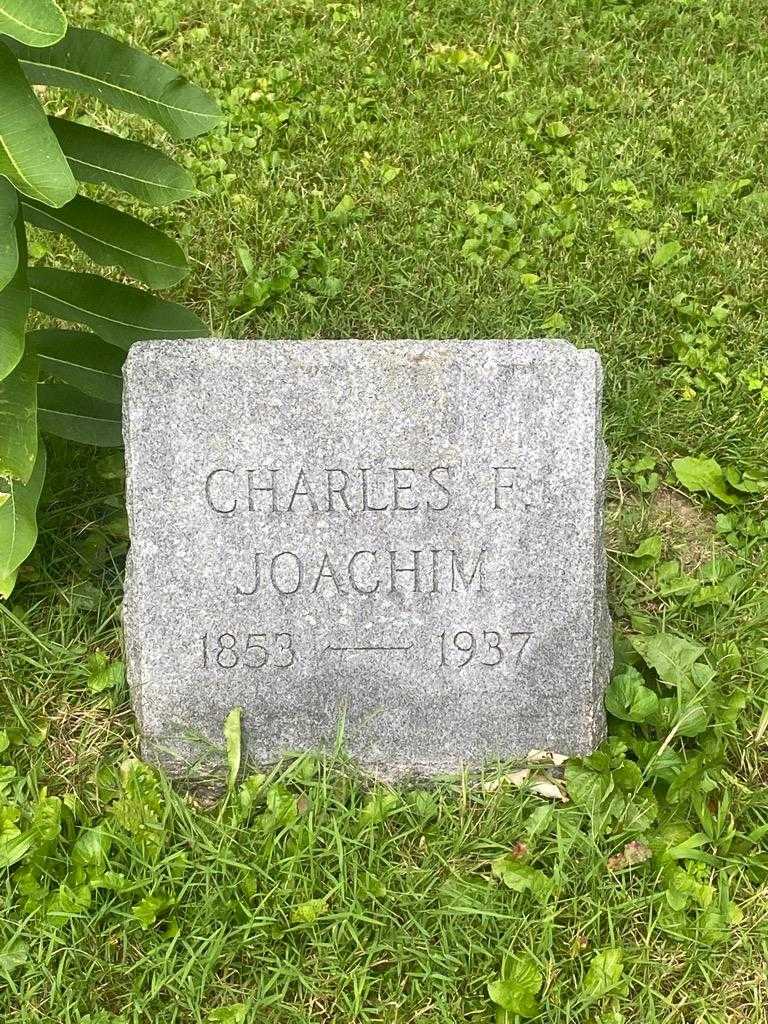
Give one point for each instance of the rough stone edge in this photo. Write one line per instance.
(130, 640)
(141, 349)
(602, 660)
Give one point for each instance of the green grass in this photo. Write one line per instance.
(429, 169)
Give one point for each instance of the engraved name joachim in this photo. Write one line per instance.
(357, 490)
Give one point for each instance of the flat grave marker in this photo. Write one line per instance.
(403, 536)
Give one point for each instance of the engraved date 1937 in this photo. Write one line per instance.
(488, 647)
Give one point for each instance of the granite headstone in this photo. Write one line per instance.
(401, 540)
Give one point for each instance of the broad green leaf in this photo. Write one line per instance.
(665, 253)
(673, 657)
(282, 809)
(18, 419)
(232, 739)
(65, 412)
(309, 911)
(148, 910)
(70, 901)
(91, 848)
(118, 313)
(83, 360)
(114, 239)
(704, 475)
(35, 22)
(14, 306)
(7, 821)
(13, 845)
(30, 156)
(104, 674)
(521, 877)
(122, 77)
(586, 786)
(633, 238)
(46, 820)
(646, 553)
(249, 791)
(235, 1013)
(140, 809)
(15, 953)
(629, 698)
(18, 522)
(123, 164)
(755, 482)
(379, 805)
(516, 992)
(690, 720)
(9, 247)
(605, 976)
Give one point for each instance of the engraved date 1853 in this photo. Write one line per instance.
(252, 651)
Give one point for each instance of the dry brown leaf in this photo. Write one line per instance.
(548, 789)
(546, 757)
(633, 853)
(509, 779)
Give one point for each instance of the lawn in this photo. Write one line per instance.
(434, 168)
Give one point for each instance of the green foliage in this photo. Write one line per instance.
(629, 698)
(82, 360)
(119, 313)
(604, 977)
(122, 77)
(516, 991)
(18, 523)
(14, 307)
(124, 165)
(104, 674)
(704, 475)
(67, 412)
(521, 877)
(18, 418)
(9, 247)
(113, 239)
(235, 1013)
(36, 22)
(30, 156)
(40, 158)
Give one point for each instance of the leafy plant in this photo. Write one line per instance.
(516, 992)
(42, 160)
(605, 977)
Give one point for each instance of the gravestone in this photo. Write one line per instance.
(401, 540)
